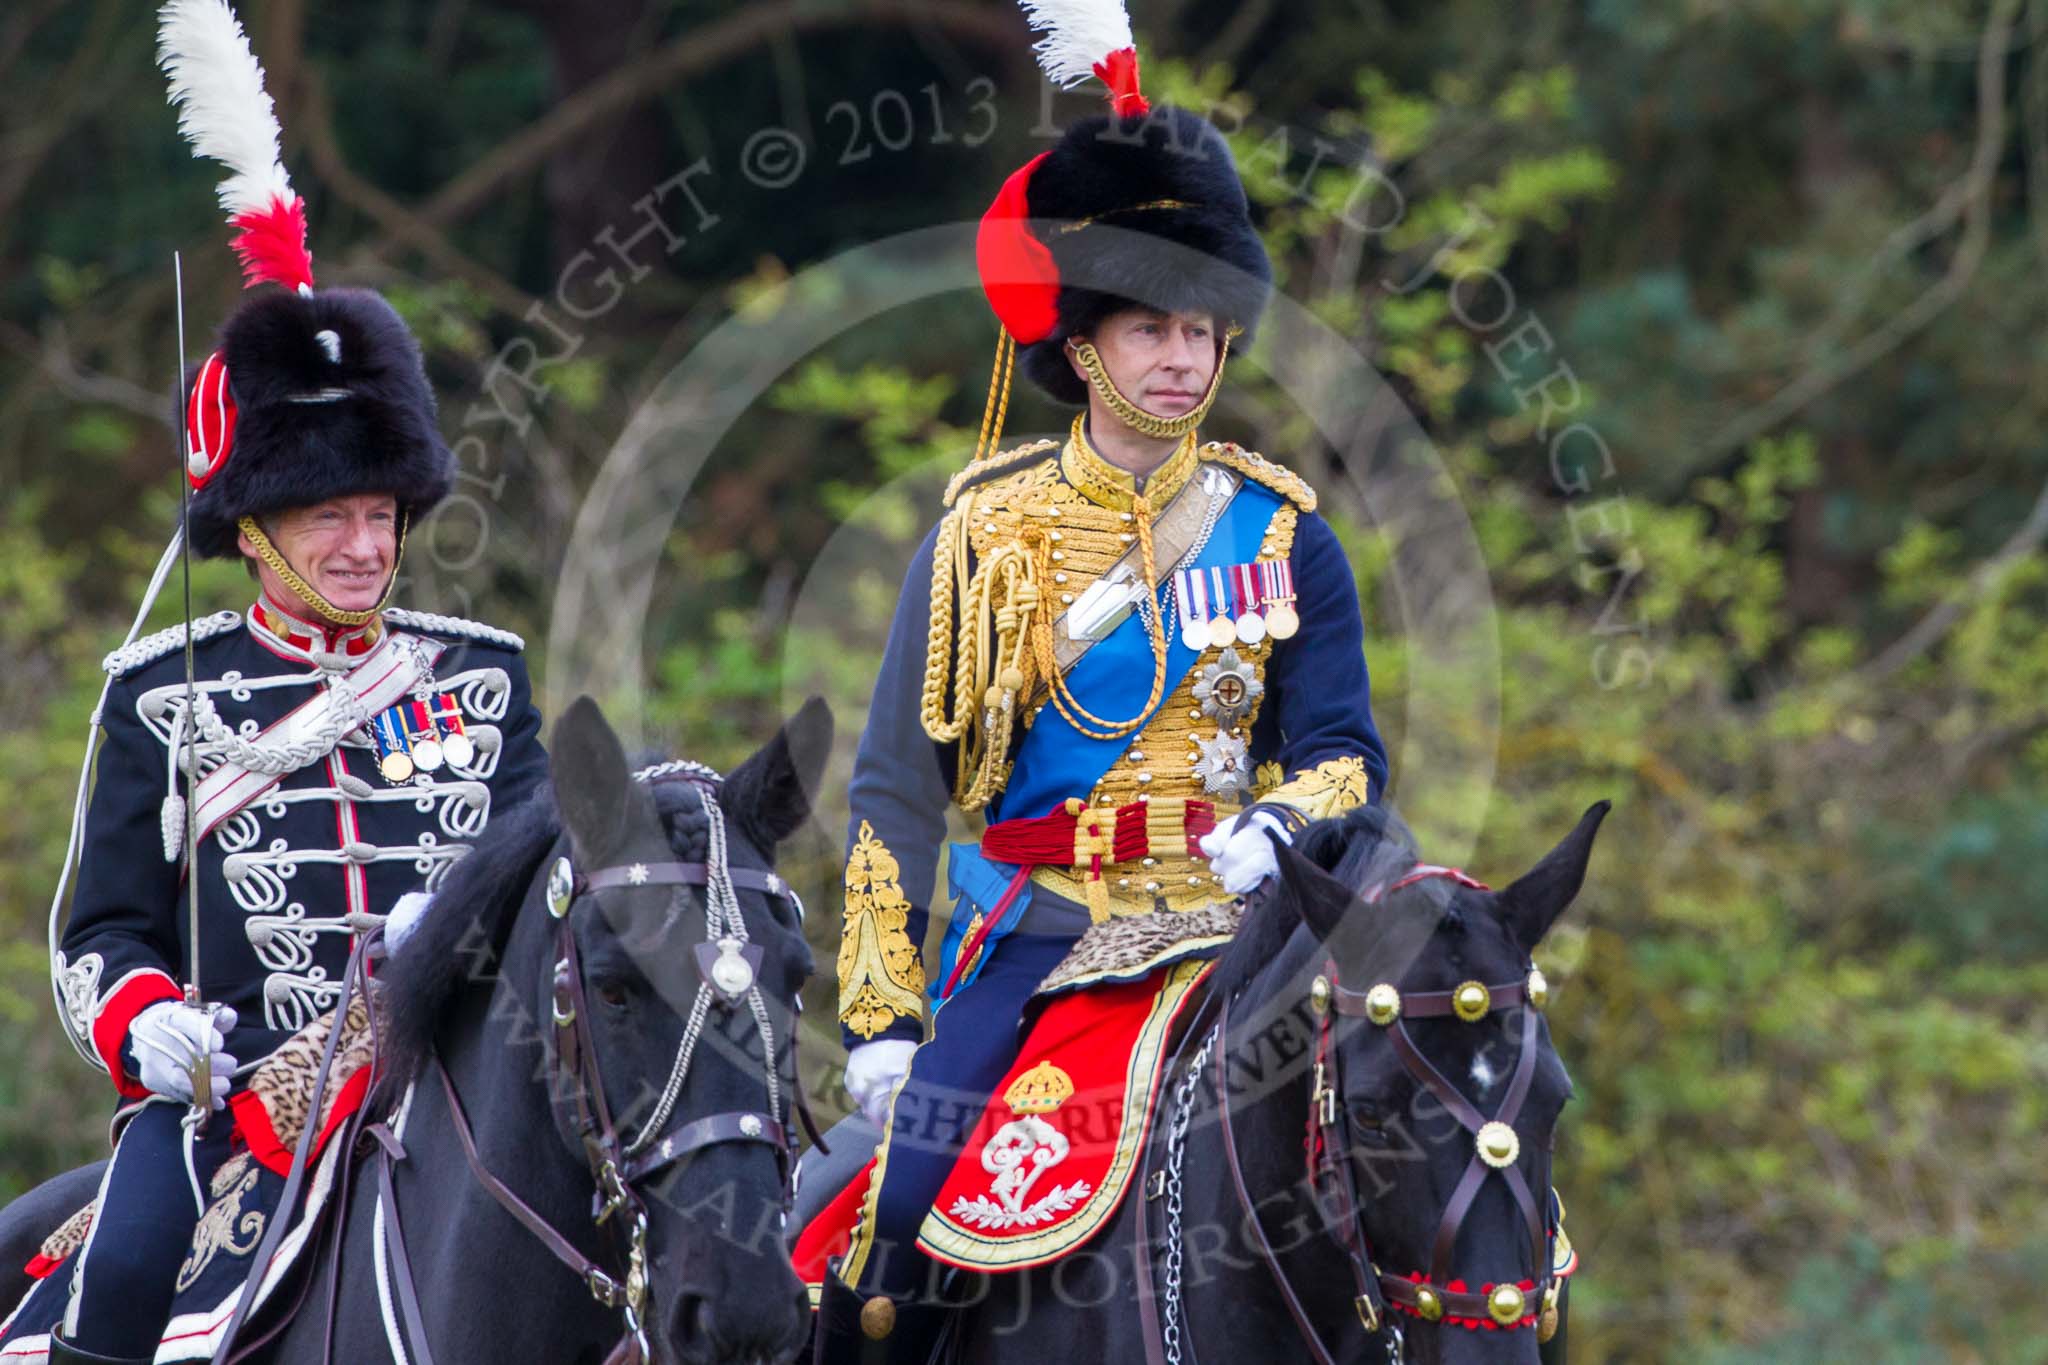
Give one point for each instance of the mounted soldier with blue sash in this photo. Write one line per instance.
(317, 755)
(1133, 651)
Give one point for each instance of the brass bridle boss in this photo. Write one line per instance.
(1497, 1148)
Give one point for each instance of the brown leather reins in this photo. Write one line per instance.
(1497, 1150)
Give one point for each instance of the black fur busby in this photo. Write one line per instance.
(331, 399)
(1111, 169)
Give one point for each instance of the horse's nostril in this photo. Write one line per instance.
(691, 1322)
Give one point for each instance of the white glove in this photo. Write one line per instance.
(873, 1071)
(170, 1037)
(406, 913)
(1240, 853)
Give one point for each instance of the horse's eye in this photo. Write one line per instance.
(1367, 1118)
(614, 995)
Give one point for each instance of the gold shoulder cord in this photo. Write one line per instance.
(1001, 626)
(310, 595)
(996, 606)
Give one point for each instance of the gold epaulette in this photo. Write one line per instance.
(1003, 461)
(1259, 469)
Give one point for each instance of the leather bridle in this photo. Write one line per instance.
(729, 968)
(1435, 1295)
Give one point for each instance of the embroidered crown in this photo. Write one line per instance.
(1040, 1090)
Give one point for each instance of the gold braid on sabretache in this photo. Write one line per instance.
(310, 595)
(1135, 417)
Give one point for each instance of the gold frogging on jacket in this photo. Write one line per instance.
(1082, 510)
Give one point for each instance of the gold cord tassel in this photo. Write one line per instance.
(998, 406)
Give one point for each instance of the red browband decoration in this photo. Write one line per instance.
(1528, 1319)
(1423, 872)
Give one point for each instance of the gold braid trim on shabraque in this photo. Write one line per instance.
(881, 978)
(1160, 764)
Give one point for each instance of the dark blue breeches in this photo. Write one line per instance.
(124, 1276)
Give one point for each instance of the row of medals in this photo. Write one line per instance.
(423, 751)
(1278, 619)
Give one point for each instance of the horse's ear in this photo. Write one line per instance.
(1532, 903)
(769, 795)
(1320, 898)
(601, 804)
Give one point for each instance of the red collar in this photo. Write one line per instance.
(289, 628)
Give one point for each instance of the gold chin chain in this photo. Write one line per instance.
(310, 595)
(1135, 417)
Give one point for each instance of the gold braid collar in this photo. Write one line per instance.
(310, 595)
(1111, 486)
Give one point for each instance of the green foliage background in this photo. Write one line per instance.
(1792, 251)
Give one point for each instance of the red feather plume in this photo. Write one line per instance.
(271, 244)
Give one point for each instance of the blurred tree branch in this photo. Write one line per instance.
(694, 52)
(1968, 198)
(2036, 114)
(51, 353)
(316, 118)
(1928, 631)
(21, 28)
(73, 91)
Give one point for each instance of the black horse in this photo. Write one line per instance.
(1244, 1219)
(591, 900)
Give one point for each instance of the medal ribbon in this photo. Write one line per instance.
(1184, 593)
(1246, 583)
(1219, 592)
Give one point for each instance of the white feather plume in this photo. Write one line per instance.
(223, 109)
(1078, 34)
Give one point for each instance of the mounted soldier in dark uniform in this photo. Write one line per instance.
(1135, 651)
(341, 753)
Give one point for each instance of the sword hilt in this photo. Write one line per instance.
(200, 1068)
